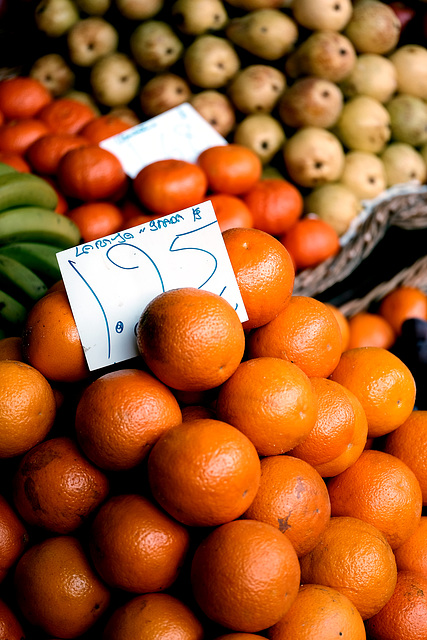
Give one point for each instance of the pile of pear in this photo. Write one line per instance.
(323, 91)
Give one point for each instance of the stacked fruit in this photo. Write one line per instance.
(31, 233)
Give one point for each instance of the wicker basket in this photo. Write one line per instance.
(403, 206)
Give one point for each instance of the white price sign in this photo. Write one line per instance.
(110, 281)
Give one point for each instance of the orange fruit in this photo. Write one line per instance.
(271, 401)
(404, 616)
(339, 433)
(230, 168)
(370, 330)
(65, 115)
(275, 204)
(412, 554)
(240, 636)
(153, 616)
(55, 487)
(16, 136)
(96, 219)
(62, 204)
(11, 348)
(91, 173)
(305, 332)
(264, 273)
(194, 412)
(353, 557)
(170, 185)
(311, 241)
(401, 304)
(245, 575)
(191, 339)
(408, 443)
(382, 490)
(121, 414)
(293, 497)
(319, 613)
(57, 589)
(22, 97)
(231, 212)
(13, 538)
(382, 382)
(103, 127)
(27, 407)
(51, 341)
(204, 472)
(343, 324)
(135, 546)
(45, 153)
(10, 626)
(15, 160)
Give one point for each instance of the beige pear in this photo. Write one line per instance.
(164, 91)
(410, 62)
(266, 33)
(216, 108)
(256, 88)
(322, 14)
(373, 75)
(53, 71)
(195, 18)
(139, 9)
(262, 133)
(403, 164)
(210, 62)
(311, 102)
(335, 203)
(408, 119)
(364, 173)
(313, 156)
(94, 7)
(114, 80)
(374, 27)
(126, 114)
(85, 98)
(252, 5)
(56, 17)
(325, 54)
(155, 46)
(90, 39)
(364, 124)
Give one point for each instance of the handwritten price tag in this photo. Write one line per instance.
(180, 133)
(110, 281)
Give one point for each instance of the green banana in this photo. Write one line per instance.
(36, 224)
(12, 311)
(37, 256)
(6, 168)
(18, 189)
(20, 282)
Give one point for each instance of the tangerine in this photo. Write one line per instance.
(370, 330)
(96, 219)
(231, 212)
(310, 241)
(403, 303)
(14, 538)
(16, 136)
(66, 115)
(230, 168)
(275, 204)
(45, 153)
(22, 97)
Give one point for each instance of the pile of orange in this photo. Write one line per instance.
(234, 480)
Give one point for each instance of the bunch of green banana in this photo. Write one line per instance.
(31, 234)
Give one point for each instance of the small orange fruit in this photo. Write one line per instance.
(230, 168)
(121, 414)
(311, 241)
(383, 384)
(96, 219)
(13, 538)
(27, 407)
(401, 304)
(204, 472)
(370, 330)
(305, 332)
(191, 339)
(245, 575)
(10, 626)
(102, 127)
(66, 115)
(264, 272)
(271, 401)
(353, 557)
(22, 97)
(57, 589)
(55, 487)
(339, 433)
(382, 490)
(15, 160)
(231, 212)
(11, 348)
(16, 136)
(135, 546)
(275, 204)
(45, 153)
(153, 616)
(343, 324)
(167, 186)
(412, 554)
(319, 613)
(293, 497)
